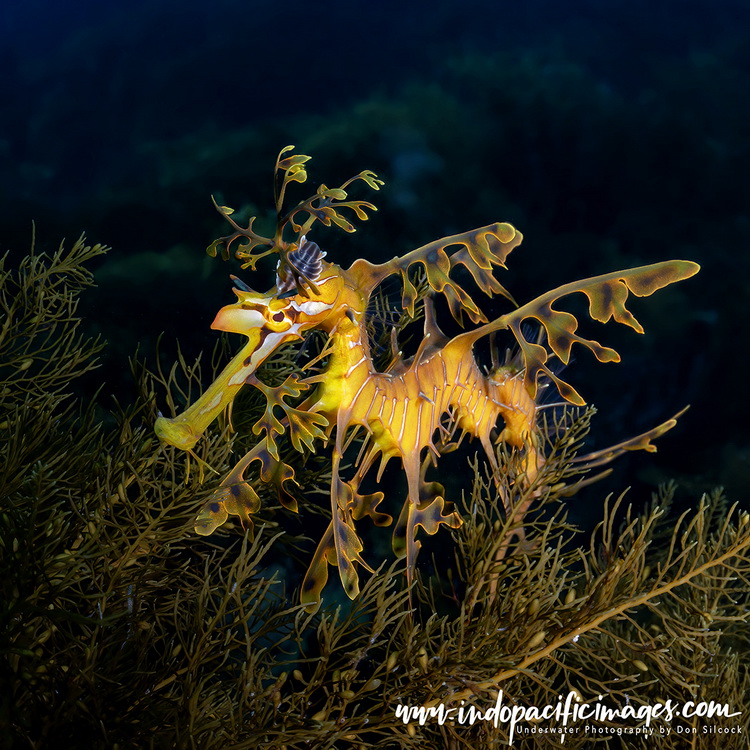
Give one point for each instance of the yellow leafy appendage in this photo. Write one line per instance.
(415, 409)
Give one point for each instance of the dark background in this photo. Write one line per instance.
(611, 133)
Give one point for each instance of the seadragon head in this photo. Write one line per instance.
(309, 292)
(287, 310)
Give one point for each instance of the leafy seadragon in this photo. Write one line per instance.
(412, 409)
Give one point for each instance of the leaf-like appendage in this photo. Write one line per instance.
(348, 545)
(324, 207)
(640, 442)
(348, 553)
(287, 163)
(481, 250)
(356, 507)
(277, 473)
(305, 428)
(293, 171)
(213, 515)
(369, 178)
(429, 515)
(316, 576)
(238, 499)
(366, 505)
(604, 456)
(607, 295)
(246, 251)
(304, 425)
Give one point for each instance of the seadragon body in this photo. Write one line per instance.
(412, 409)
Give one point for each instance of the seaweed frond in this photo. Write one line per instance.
(41, 348)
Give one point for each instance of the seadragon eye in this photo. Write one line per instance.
(278, 317)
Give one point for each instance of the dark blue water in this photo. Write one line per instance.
(612, 133)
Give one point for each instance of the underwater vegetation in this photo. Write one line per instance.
(121, 627)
